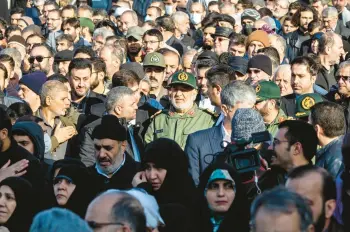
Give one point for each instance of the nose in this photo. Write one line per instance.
(221, 191)
(62, 185)
(153, 174)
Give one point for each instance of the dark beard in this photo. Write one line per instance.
(134, 53)
(319, 225)
(207, 47)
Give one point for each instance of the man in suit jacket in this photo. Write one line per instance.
(202, 146)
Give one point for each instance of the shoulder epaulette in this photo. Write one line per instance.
(212, 113)
(157, 113)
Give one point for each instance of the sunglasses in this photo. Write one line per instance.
(37, 58)
(344, 78)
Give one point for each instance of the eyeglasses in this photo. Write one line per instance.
(97, 225)
(344, 78)
(277, 142)
(37, 58)
(220, 39)
(150, 42)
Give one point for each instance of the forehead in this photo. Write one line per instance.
(53, 14)
(22, 137)
(39, 51)
(256, 43)
(33, 39)
(197, 6)
(170, 56)
(105, 142)
(345, 70)
(306, 14)
(61, 94)
(149, 37)
(299, 69)
(68, 12)
(266, 221)
(81, 72)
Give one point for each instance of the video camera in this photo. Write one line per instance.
(242, 159)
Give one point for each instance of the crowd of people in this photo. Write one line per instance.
(175, 115)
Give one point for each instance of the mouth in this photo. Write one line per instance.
(221, 202)
(60, 196)
(104, 163)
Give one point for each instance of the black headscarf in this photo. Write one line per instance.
(82, 194)
(22, 217)
(178, 186)
(236, 218)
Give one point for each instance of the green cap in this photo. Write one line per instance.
(184, 78)
(86, 22)
(305, 102)
(154, 59)
(267, 90)
(136, 32)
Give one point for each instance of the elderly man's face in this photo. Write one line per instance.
(257, 75)
(344, 81)
(126, 21)
(283, 80)
(182, 97)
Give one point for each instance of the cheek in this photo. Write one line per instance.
(11, 206)
(70, 189)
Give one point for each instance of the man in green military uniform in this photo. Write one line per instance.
(268, 96)
(304, 103)
(184, 117)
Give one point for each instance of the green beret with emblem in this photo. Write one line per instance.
(305, 102)
(267, 90)
(184, 78)
(154, 59)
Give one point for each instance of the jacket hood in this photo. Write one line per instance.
(36, 134)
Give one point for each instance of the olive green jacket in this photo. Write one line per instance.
(273, 126)
(169, 124)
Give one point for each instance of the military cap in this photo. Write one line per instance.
(223, 31)
(305, 102)
(86, 22)
(154, 59)
(136, 32)
(110, 128)
(64, 55)
(267, 90)
(184, 78)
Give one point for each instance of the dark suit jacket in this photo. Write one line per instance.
(340, 29)
(199, 148)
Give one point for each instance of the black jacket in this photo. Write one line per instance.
(177, 44)
(91, 99)
(122, 179)
(323, 80)
(340, 29)
(294, 43)
(288, 104)
(34, 173)
(330, 157)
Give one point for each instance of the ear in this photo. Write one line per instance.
(330, 206)
(313, 79)
(297, 149)
(311, 228)
(224, 110)
(123, 145)
(318, 130)
(117, 109)
(218, 89)
(113, 19)
(48, 101)
(51, 60)
(101, 76)
(3, 134)
(78, 30)
(161, 44)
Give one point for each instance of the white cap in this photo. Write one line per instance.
(119, 11)
(150, 206)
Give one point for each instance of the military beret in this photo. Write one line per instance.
(305, 102)
(267, 90)
(184, 78)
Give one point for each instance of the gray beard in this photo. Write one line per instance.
(109, 170)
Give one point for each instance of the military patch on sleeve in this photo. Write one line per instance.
(159, 131)
(157, 113)
(216, 115)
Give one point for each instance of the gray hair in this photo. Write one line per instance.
(104, 32)
(236, 92)
(133, 15)
(49, 89)
(330, 12)
(285, 69)
(115, 95)
(178, 16)
(343, 65)
(116, 53)
(282, 201)
(15, 54)
(280, 41)
(326, 40)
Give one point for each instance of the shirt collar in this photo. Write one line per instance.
(103, 174)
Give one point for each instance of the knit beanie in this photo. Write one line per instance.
(245, 122)
(34, 81)
(17, 39)
(261, 62)
(57, 219)
(260, 36)
(250, 14)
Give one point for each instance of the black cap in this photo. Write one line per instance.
(110, 128)
(261, 62)
(208, 55)
(135, 67)
(64, 55)
(223, 31)
(239, 64)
